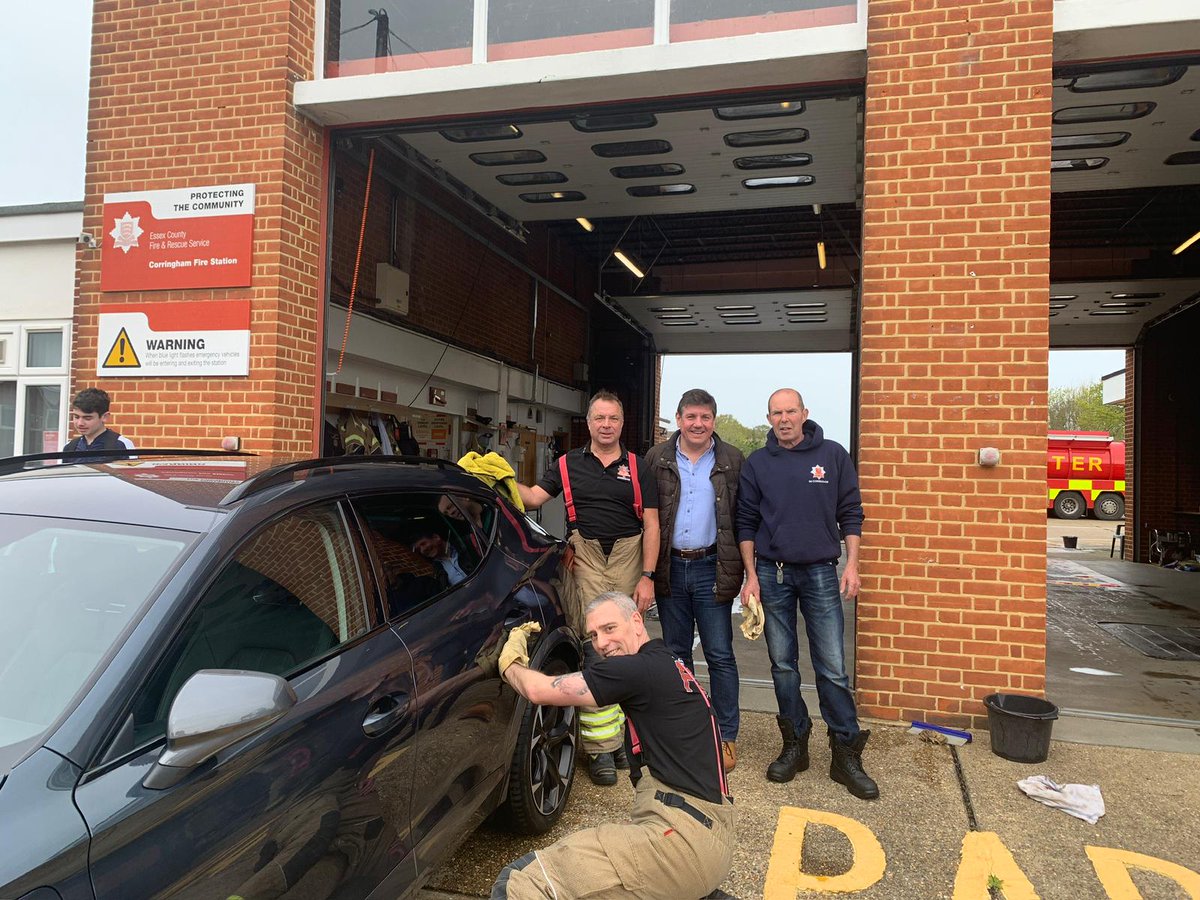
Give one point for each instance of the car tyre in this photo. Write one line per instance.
(1069, 505)
(1110, 507)
(543, 766)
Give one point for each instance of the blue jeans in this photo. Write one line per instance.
(814, 589)
(693, 605)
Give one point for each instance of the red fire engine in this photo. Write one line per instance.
(1085, 470)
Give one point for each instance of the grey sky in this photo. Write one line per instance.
(742, 383)
(44, 56)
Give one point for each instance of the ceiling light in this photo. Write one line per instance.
(1077, 165)
(741, 315)
(659, 309)
(816, 305)
(1127, 79)
(1088, 141)
(821, 254)
(472, 133)
(1136, 295)
(678, 324)
(649, 170)
(1109, 112)
(628, 263)
(1058, 306)
(665, 316)
(778, 181)
(1111, 312)
(1195, 237)
(1124, 304)
(585, 224)
(1065, 297)
(731, 308)
(760, 110)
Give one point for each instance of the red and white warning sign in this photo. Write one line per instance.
(201, 338)
(183, 238)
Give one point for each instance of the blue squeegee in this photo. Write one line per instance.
(953, 735)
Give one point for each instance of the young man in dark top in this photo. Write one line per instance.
(678, 843)
(612, 514)
(89, 416)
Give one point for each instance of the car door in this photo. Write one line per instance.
(448, 596)
(315, 805)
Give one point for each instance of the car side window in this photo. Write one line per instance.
(425, 544)
(291, 594)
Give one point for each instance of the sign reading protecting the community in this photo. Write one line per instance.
(200, 338)
(183, 238)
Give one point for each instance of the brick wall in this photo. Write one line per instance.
(1170, 428)
(186, 94)
(460, 290)
(954, 355)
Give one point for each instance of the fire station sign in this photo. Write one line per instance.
(201, 338)
(183, 238)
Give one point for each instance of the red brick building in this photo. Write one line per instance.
(944, 191)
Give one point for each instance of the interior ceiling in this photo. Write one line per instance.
(1131, 199)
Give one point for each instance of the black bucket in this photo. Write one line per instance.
(1070, 541)
(1020, 726)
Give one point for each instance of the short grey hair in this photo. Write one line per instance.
(624, 603)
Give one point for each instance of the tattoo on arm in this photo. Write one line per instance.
(571, 683)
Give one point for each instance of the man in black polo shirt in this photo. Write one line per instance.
(613, 534)
(678, 844)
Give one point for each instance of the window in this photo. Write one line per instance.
(425, 544)
(33, 387)
(291, 595)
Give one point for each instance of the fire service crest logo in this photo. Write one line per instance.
(817, 473)
(126, 233)
(623, 473)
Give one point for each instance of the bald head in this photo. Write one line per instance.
(791, 396)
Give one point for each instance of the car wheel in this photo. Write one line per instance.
(1110, 507)
(543, 766)
(1069, 505)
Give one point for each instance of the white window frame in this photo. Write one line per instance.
(24, 377)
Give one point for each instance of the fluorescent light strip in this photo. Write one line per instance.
(628, 263)
(1195, 237)
(821, 254)
(585, 224)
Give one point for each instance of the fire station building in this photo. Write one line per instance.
(451, 222)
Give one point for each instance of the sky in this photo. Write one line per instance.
(44, 52)
(741, 384)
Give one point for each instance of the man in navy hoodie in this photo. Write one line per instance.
(798, 498)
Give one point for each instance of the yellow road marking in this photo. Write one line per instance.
(1112, 868)
(784, 876)
(984, 854)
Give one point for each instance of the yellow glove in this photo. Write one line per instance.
(516, 647)
(752, 618)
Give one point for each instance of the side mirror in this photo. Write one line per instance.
(213, 710)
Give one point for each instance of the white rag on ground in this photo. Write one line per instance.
(1083, 801)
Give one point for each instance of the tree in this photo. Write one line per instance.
(1082, 408)
(734, 432)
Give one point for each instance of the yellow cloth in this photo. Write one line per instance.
(516, 647)
(494, 471)
(752, 618)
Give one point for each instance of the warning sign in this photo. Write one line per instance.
(122, 354)
(201, 338)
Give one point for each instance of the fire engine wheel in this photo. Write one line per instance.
(1069, 505)
(1110, 507)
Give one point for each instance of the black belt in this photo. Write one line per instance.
(676, 802)
(694, 554)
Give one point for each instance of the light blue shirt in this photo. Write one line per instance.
(449, 563)
(696, 517)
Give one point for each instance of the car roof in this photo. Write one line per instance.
(190, 493)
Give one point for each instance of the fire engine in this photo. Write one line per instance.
(1085, 470)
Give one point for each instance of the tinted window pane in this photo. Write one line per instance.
(415, 36)
(8, 417)
(41, 418)
(45, 349)
(291, 595)
(424, 544)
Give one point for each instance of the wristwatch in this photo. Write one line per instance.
(649, 573)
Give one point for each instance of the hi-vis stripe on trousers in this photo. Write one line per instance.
(601, 730)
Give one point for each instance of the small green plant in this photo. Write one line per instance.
(995, 886)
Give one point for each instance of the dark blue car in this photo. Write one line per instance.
(221, 678)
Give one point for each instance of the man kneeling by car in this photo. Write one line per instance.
(678, 843)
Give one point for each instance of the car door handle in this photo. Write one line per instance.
(384, 713)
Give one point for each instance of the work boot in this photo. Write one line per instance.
(794, 757)
(602, 769)
(846, 766)
(620, 759)
(729, 755)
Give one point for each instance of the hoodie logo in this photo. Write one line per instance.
(818, 473)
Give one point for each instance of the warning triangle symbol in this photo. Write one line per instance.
(122, 355)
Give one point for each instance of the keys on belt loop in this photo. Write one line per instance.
(779, 573)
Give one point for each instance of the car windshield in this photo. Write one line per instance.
(69, 590)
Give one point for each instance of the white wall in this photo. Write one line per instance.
(37, 264)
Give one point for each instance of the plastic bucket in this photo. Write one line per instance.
(1070, 541)
(1020, 726)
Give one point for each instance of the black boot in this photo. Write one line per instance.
(846, 766)
(794, 756)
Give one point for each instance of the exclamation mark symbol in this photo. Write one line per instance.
(121, 341)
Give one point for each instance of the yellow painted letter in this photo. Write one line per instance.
(1112, 868)
(984, 854)
(784, 877)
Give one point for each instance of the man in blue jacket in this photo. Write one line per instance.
(798, 495)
